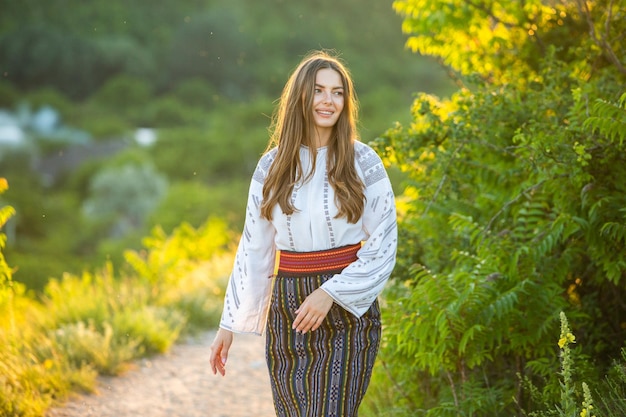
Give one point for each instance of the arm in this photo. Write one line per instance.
(358, 285)
(248, 292)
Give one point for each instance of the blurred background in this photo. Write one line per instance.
(117, 117)
(129, 132)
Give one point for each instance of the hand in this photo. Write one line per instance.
(312, 311)
(219, 351)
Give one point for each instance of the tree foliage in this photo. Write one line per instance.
(202, 74)
(125, 196)
(513, 209)
(241, 47)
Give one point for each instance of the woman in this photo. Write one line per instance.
(318, 246)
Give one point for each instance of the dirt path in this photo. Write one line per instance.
(180, 384)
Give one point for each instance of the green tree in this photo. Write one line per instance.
(125, 196)
(208, 47)
(514, 204)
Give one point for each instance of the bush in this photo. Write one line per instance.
(193, 154)
(35, 374)
(167, 112)
(196, 92)
(40, 56)
(513, 213)
(102, 124)
(207, 47)
(124, 196)
(125, 55)
(48, 241)
(9, 95)
(193, 202)
(82, 344)
(48, 96)
(610, 395)
(153, 328)
(122, 93)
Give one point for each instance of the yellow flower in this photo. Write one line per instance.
(569, 338)
(583, 413)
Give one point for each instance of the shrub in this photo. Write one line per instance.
(37, 56)
(514, 210)
(168, 111)
(102, 124)
(193, 202)
(35, 374)
(153, 328)
(208, 48)
(195, 92)
(202, 155)
(48, 97)
(610, 395)
(9, 95)
(83, 345)
(124, 196)
(122, 93)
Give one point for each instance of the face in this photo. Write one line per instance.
(328, 100)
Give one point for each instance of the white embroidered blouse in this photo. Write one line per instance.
(313, 227)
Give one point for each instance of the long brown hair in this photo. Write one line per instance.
(292, 124)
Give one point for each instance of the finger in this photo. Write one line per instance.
(218, 358)
(306, 323)
(308, 327)
(303, 319)
(317, 324)
(222, 359)
(221, 368)
(222, 362)
(213, 359)
(297, 322)
(317, 321)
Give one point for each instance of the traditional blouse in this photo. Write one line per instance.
(312, 227)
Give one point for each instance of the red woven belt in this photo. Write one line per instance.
(300, 264)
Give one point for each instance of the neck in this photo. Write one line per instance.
(320, 137)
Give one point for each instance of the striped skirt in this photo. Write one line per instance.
(322, 373)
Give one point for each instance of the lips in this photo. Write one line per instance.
(325, 112)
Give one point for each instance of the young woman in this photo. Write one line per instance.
(318, 246)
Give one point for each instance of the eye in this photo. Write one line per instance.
(317, 90)
(339, 93)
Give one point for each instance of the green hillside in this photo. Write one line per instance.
(201, 75)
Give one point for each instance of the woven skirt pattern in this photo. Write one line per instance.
(322, 373)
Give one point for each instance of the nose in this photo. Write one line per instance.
(327, 98)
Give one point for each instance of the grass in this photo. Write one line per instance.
(98, 322)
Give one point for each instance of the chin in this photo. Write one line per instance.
(326, 124)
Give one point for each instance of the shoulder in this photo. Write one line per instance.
(263, 165)
(365, 154)
(369, 163)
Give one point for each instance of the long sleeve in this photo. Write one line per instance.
(248, 292)
(358, 285)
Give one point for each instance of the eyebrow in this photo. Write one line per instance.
(340, 87)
